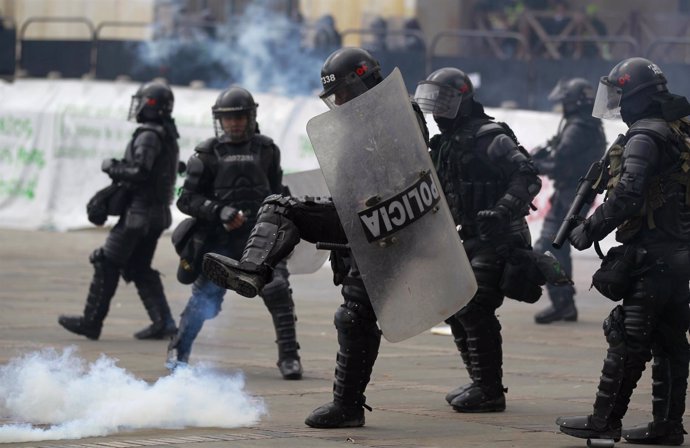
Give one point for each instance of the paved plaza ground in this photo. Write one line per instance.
(550, 370)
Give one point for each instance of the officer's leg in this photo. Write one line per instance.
(460, 339)
(150, 289)
(107, 262)
(204, 304)
(562, 297)
(628, 331)
(484, 341)
(272, 239)
(277, 296)
(358, 339)
(669, 379)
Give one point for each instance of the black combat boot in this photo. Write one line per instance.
(487, 393)
(668, 406)
(613, 396)
(354, 363)
(151, 292)
(180, 346)
(562, 306)
(279, 302)
(460, 339)
(101, 291)
(622, 370)
(263, 251)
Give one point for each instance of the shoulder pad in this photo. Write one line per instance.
(263, 140)
(195, 166)
(490, 129)
(654, 127)
(206, 146)
(158, 129)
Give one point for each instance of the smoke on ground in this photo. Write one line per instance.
(57, 395)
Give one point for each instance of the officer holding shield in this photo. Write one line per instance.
(346, 74)
(489, 182)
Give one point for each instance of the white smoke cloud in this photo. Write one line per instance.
(78, 399)
(262, 50)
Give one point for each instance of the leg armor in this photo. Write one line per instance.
(483, 333)
(272, 239)
(460, 339)
(359, 338)
(486, 359)
(150, 289)
(669, 383)
(277, 297)
(204, 304)
(101, 291)
(628, 332)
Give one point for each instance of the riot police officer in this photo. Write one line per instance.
(579, 142)
(346, 74)
(228, 177)
(489, 182)
(647, 203)
(146, 177)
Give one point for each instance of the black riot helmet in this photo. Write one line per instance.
(575, 94)
(347, 73)
(234, 102)
(629, 88)
(153, 101)
(445, 93)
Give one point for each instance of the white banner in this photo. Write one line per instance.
(55, 133)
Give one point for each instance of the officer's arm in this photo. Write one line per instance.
(517, 167)
(145, 149)
(640, 157)
(195, 199)
(569, 148)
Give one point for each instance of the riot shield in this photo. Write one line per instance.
(385, 189)
(305, 258)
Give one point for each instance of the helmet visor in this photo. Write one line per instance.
(342, 92)
(134, 107)
(559, 92)
(607, 103)
(437, 99)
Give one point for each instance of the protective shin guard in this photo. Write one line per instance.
(272, 239)
(460, 339)
(151, 292)
(668, 407)
(359, 339)
(278, 300)
(101, 291)
(486, 360)
(615, 388)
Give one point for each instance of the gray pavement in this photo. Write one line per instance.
(550, 370)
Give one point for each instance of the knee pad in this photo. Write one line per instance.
(614, 327)
(355, 318)
(97, 256)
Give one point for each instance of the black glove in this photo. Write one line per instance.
(491, 223)
(108, 164)
(227, 214)
(579, 237)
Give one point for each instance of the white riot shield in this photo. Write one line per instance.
(385, 189)
(305, 258)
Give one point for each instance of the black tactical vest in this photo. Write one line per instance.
(241, 174)
(468, 178)
(159, 188)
